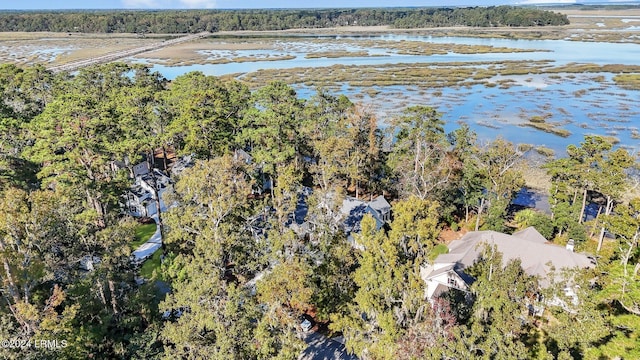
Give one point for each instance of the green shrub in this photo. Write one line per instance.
(544, 224)
(577, 232)
(438, 250)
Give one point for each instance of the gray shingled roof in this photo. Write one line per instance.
(536, 255)
(455, 268)
(445, 269)
(381, 205)
(530, 234)
(354, 210)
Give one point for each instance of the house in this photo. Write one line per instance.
(243, 156)
(349, 215)
(88, 263)
(137, 200)
(140, 199)
(382, 207)
(538, 258)
(141, 168)
(154, 180)
(264, 183)
(138, 169)
(354, 210)
(182, 164)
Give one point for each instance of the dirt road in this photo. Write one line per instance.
(72, 66)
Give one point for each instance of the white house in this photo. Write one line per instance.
(140, 199)
(538, 258)
(140, 168)
(137, 200)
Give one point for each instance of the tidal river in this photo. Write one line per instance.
(574, 103)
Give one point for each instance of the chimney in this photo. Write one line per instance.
(570, 245)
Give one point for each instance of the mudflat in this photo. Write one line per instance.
(605, 25)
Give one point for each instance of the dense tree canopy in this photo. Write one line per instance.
(254, 236)
(193, 21)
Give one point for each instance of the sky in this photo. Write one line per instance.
(256, 4)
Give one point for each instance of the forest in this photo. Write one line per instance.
(194, 21)
(239, 275)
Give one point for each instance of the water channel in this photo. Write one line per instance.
(583, 103)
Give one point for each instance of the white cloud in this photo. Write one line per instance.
(547, 2)
(199, 4)
(169, 4)
(140, 4)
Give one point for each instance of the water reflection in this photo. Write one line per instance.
(581, 103)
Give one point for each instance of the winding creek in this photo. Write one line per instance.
(577, 103)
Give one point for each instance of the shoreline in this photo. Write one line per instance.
(52, 48)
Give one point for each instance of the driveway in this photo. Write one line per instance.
(323, 348)
(148, 248)
(152, 245)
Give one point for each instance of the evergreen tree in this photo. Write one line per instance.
(419, 156)
(205, 113)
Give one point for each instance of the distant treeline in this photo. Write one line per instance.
(192, 21)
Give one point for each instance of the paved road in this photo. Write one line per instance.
(323, 348)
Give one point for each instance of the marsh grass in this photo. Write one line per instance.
(611, 139)
(579, 93)
(628, 81)
(30, 48)
(488, 124)
(339, 54)
(199, 52)
(540, 118)
(371, 92)
(618, 36)
(595, 68)
(544, 151)
(422, 75)
(548, 127)
(221, 60)
(590, 28)
(429, 79)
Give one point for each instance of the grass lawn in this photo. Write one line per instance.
(439, 249)
(151, 264)
(143, 233)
